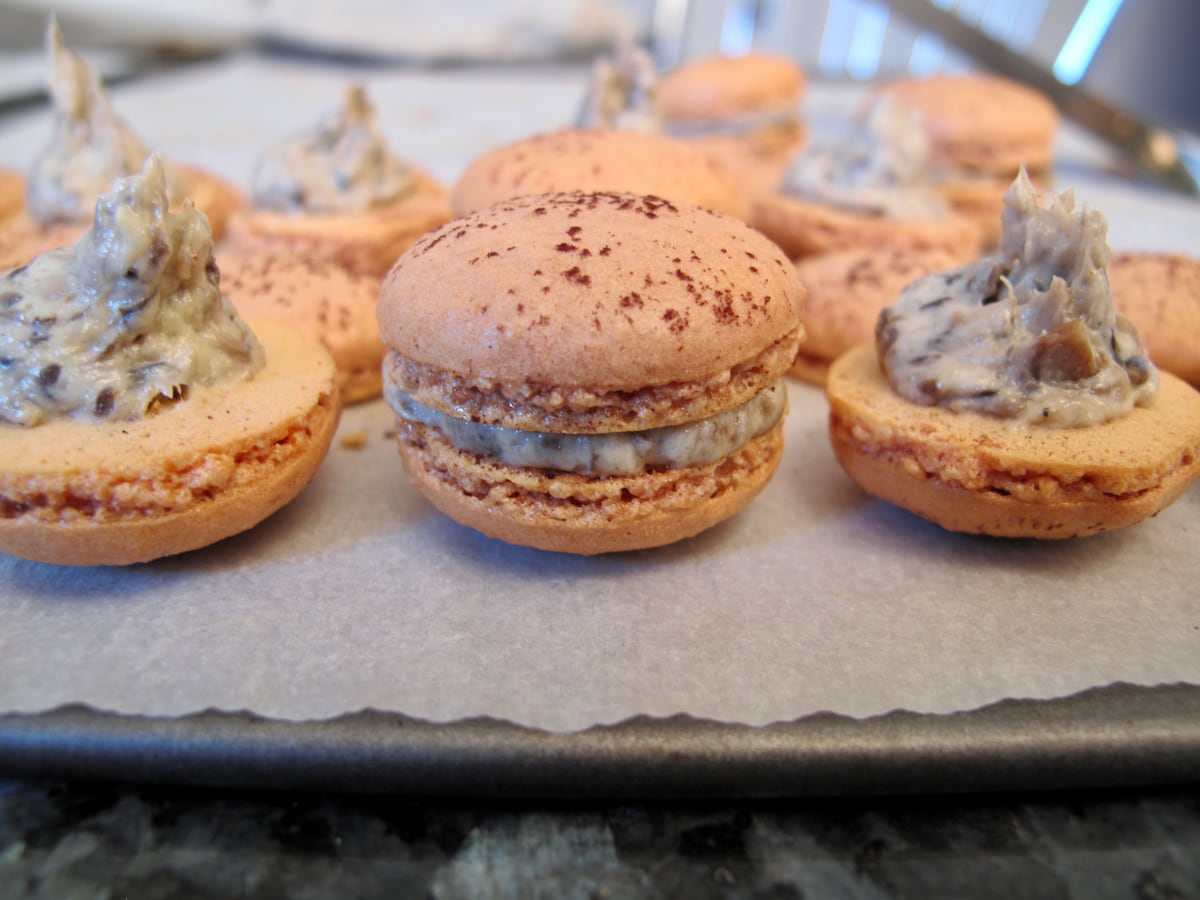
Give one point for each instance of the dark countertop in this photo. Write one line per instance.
(65, 839)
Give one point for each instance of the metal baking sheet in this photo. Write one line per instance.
(1120, 735)
(819, 643)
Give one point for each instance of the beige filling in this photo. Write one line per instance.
(617, 453)
(555, 407)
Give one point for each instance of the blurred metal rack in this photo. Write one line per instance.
(864, 38)
(1045, 44)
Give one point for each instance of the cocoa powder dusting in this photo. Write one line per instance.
(723, 311)
(676, 322)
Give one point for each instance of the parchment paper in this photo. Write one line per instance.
(359, 594)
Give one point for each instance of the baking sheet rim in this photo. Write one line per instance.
(1117, 735)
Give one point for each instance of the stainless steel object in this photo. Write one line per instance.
(1156, 151)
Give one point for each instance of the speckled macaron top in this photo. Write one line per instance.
(318, 298)
(590, 312)
(1160, 294)
(847, 289)
(579, 159)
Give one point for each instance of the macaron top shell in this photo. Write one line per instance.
(1160, 294)
(614, 290)
(323, 300)
(570, 303)
(582, 159)
(716, 86)
(847, 289)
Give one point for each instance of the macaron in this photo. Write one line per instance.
(980, 122)
(805, 227)
(982, 129)
(847, 289)
(157, 421)
(324, 301)
(197, 472)
(1007, 397)
(722, 89)
(90, 147)
(599, 159)
(745, 110)
(1160, 294)
(362, 243)
(340, 193)
(866, 187)
(981, 475)
(590, 372)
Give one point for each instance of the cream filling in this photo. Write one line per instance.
(1030, 334)
(345, 167)
(741, 123)
(622, 93)
(128, 317)
(616, 453)
(880, 170)
(91, 147)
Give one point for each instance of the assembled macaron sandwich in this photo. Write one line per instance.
(590, 372)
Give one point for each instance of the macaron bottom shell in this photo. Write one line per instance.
(572, 513)
(363, 243)
(213, 466)
(261, 491)
(971, 473)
